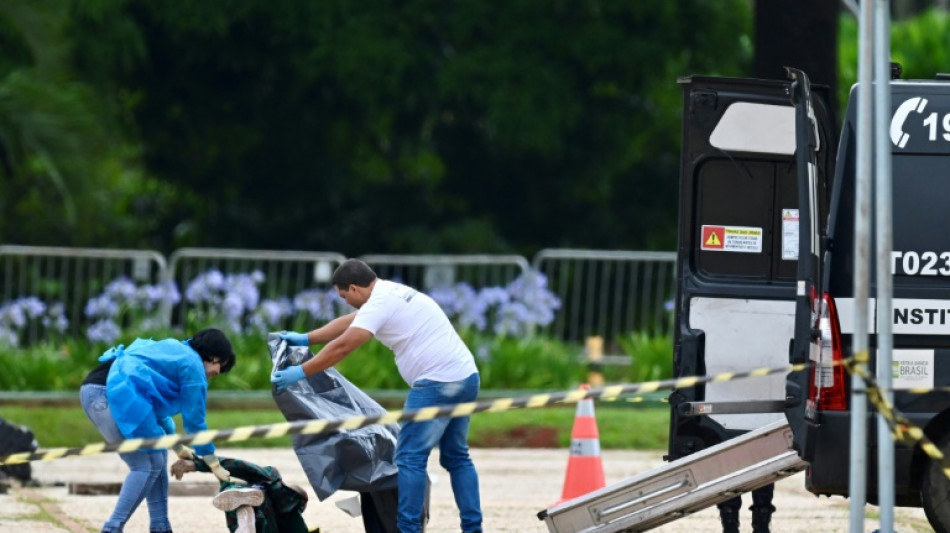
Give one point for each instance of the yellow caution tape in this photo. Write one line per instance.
(903, 430)
(315, 427)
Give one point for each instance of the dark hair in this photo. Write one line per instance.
(353, 272)
(211, 344)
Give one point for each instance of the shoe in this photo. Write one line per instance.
(231, 499)
(761, 516)
(245, 518)
(729, 516)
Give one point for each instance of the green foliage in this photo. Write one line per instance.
(421, 126)
(65, 168)
(527, 363)
(536, 362)
(920, 44)
(652, 356)
(613, 424)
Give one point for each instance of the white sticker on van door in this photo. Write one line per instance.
(910, 316)
(789, 234)
(912, 369)
(921, 317)
(732, 239)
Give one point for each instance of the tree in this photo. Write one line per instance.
(62, 167)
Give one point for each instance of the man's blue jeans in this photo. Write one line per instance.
(148, 475)
(416, 440)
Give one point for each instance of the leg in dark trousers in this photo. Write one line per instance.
(729, 514)
(379, 510)
(762, 508)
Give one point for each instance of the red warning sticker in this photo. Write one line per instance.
(741, 239)
(714, 237)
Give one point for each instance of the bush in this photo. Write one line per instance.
(497, 323)
(535, 362)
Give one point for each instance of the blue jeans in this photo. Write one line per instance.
(416, 440)
(148, 473)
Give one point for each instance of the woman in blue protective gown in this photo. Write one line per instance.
(135, 392)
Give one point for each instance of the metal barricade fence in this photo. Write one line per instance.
(609, 293)
(64, 280)
(285, 274)
(427, 272)
(605, 293)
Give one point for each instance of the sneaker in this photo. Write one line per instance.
(245, 519)
(231, 499)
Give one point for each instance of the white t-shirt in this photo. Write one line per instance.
(416, 329)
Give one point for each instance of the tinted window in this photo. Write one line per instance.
(921, 218)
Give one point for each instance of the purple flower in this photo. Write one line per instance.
(12, 315)
(170, 293)
(270, 315)
(274, 311)
(32, 306)
(539, 303)
(55, 323)
(233, 307)
(244, 286)
(462, 304)
(121, 289)
(101, 307)
(205, 287)
(319, 304)
(105, 331)
(513, 319)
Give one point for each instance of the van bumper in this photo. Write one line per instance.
(828, 472)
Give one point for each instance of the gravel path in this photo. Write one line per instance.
(515, 485)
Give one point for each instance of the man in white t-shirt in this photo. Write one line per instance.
(433, 360)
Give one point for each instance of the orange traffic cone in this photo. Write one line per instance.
(585, 471)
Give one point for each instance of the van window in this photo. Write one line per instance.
(921, 220)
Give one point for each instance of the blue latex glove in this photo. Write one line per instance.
(167, 424)
(287, 377)
(295, 339)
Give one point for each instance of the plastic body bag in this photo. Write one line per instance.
(359, 460)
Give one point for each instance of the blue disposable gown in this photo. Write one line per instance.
(151, 380)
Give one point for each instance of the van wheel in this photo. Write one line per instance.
(935, 490)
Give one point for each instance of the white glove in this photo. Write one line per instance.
(219, 472)
(183, 452)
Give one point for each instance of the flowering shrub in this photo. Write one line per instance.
(233, 302)
(124, 304)
(321, 305)
(22, 313)
(224, 298)
(515, 310)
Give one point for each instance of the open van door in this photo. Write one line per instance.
(753, 198)
(808, 287)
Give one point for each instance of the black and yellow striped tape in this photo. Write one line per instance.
(903, 430)
(314, 427)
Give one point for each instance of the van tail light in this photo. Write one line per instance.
(826, 389)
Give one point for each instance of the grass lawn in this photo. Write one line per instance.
(621, 426)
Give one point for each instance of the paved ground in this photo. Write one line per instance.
(515, 485)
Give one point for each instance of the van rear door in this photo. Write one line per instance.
(737, 258)
(808, 285)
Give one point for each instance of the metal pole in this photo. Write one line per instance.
(857, 481)
(885, 243)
